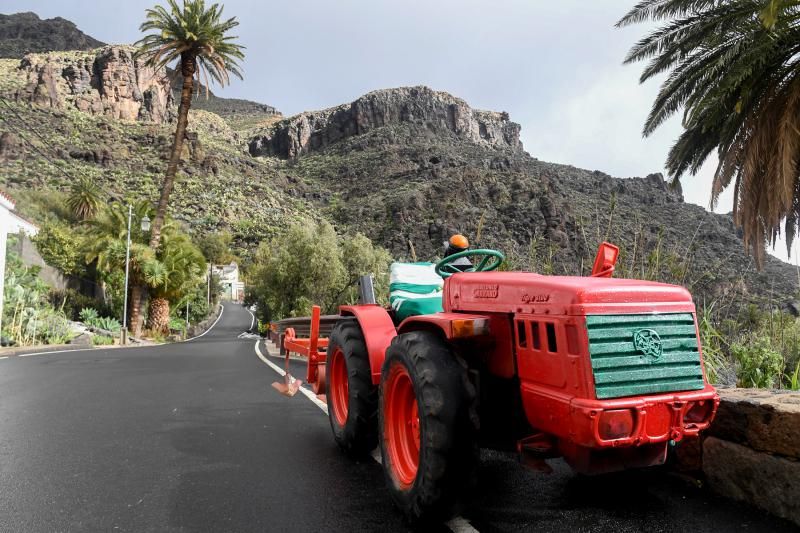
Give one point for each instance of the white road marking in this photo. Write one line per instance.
(252, 319)
(376, 454)
(56, 351)
(4, 357)
(458, 524)
(221, 310)
(307, 393)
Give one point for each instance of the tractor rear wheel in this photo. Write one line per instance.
(428, 423)
(352, 398)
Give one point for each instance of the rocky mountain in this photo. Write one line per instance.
(410, 166)
(23, 33)
(405, 166)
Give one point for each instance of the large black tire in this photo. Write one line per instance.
(358, 434)
(447, 422)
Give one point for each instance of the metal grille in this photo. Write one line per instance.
(643, 354)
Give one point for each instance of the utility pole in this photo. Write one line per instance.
(127, 269)
(208, 288)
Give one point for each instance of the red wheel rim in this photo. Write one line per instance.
(401, 425)
(339, 388)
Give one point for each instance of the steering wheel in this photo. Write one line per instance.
(492, 259)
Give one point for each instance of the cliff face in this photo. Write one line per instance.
(108, 82)
(436, 112)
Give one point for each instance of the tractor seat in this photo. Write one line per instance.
(414, 289)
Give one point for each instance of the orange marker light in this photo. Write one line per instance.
(459, 241)
(470, 327)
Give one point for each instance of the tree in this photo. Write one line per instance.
(172, 271)
(216, 247)
(181, 269)
(310, 264)
(84, 199)
(106, 243)
(197, 38)
(60, 247)
(732, 66)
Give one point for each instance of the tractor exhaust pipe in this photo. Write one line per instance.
(366, 290)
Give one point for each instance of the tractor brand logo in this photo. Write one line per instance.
(485, 291)
(535, 298)
(648, 342)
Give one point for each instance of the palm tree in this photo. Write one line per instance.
(182, 266)
(84, 199)
(732, 66)
(106, 243)
(196, 37)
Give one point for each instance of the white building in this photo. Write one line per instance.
(10, 222)
(232, 288)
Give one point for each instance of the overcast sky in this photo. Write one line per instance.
(556, 67)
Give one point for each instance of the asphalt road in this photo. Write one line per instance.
(191, 437)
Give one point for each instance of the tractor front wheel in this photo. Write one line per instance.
(428, 425)
(352, 398)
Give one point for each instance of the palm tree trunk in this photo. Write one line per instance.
(158, 318)
(137, 294)
(188, 66)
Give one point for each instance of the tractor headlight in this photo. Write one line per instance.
(616, 424)
(697, 412)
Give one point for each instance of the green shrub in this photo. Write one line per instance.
(177, 324)
(72, 302)
(102, 340)
(60, 247)
(759, 364)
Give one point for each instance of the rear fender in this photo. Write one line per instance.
(378, 330)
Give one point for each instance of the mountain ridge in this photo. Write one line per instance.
(405, 166)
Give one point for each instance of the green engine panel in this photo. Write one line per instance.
(643, 354)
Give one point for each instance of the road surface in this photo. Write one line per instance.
(191, 437)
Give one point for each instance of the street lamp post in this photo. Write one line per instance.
(145, 225)
(127, 269)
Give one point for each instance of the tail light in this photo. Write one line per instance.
(697, 412)
(616, 424)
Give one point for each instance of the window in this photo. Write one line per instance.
(551, 337)
(522, 337)
(537, 343)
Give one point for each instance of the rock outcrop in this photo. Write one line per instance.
(109, 82)
(435, 112)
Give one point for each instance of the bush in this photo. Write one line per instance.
(759, 364)
(102, 340)
(60, 247)
(177, 324)
(310, 264)
(72, 302)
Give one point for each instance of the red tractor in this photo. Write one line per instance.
(606, 373)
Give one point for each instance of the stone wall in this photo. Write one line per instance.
(751, 453)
